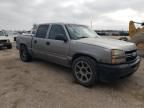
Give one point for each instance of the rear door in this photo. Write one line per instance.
(39, 46)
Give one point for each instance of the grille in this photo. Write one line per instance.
(3, 41)
(131, 55)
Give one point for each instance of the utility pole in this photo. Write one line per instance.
(91, 23)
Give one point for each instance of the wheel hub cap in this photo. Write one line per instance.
(83, 71)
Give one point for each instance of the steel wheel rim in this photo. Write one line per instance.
(83, 71)
(23, 54)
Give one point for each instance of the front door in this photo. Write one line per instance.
(57, 49)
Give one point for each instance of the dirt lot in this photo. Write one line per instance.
(40, 84)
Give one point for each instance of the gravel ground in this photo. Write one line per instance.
(41, 84)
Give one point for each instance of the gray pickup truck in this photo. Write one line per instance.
(90, 56)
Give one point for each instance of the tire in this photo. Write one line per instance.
(14, 38)
(84, 71)
(24, 54)
(9, 46)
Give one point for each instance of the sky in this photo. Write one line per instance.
(104, 14)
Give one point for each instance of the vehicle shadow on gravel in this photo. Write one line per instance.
(68, 71)
(4, 49)
(113, 84)
(55, 68)
(129, 86)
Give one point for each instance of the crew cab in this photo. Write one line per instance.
(5, 41)
(90, 56)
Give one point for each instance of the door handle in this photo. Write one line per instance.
(47, 43)
(35, 41)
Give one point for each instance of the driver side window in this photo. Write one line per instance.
(56, 30)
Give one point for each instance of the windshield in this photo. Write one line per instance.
(80, 31)
(1, 33)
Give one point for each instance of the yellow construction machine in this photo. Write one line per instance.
(137, 35)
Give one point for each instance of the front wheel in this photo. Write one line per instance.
(84, 71)
(24, 54)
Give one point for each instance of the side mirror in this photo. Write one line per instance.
(61, 37)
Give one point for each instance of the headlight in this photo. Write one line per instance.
(118, 56)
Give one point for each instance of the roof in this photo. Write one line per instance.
(61, 23)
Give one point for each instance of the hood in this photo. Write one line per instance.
(6, 38)
(109, 43)
(3, 38)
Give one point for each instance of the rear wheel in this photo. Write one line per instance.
(84, 71)
(24, 54)
(9, 46)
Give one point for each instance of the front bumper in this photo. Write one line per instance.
(108, 72)
(5, 44)
(1, 45)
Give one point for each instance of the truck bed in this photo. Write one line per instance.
(24, 39)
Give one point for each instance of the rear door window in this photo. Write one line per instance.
(42, 31)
